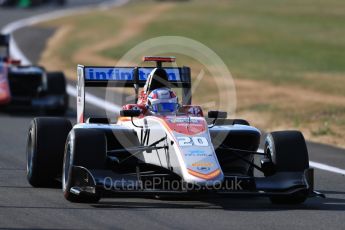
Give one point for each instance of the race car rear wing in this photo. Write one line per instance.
(96, 76)
(179, 77)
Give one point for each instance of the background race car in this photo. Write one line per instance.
(30, 87)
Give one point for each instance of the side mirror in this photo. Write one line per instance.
(130, 113)
(217, 114)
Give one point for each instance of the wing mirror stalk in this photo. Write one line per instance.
(216, 115)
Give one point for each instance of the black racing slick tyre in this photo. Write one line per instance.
(45, 148)
(288, 152)
(57, 87)
(86, 148)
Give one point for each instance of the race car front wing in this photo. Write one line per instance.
(108, 183)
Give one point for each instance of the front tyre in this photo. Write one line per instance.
(288, 152)
(86, 148)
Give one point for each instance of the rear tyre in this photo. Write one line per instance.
(87, 148)
(57, 87)
(45, 148)
(288, 152)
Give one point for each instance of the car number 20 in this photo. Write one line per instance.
(190, 141)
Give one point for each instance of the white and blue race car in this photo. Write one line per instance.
(155, 154)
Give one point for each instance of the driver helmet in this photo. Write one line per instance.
(162, 101)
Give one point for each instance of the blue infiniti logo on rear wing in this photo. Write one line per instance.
(126, 74)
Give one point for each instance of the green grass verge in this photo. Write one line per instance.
(284, 41)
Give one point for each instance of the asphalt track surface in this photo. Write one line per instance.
(24, 207)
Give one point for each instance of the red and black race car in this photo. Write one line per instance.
(162, 145)
(29, 87)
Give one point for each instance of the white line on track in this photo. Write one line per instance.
(71, 90)
(326, 167)
(13, 26)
